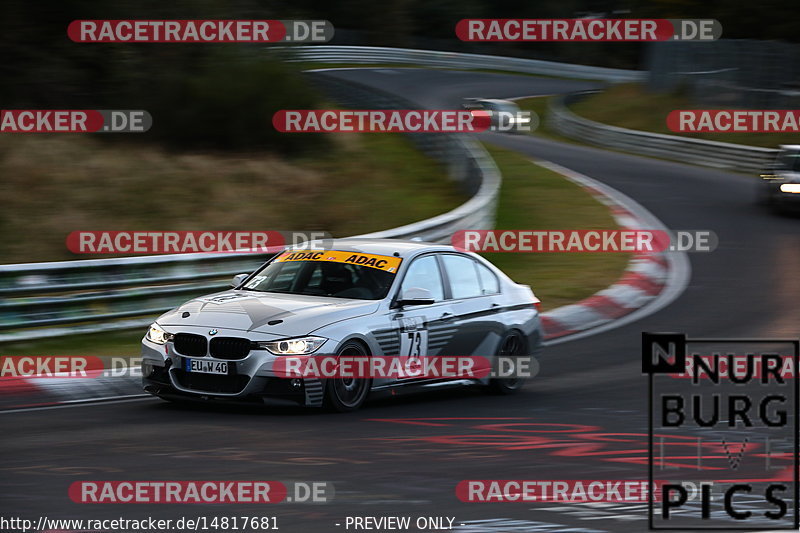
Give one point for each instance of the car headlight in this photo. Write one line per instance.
(297, 346)
(157, 335)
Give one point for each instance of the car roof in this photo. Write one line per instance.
(404, 248)
(497, 101)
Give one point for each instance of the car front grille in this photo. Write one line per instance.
(230, 384)
(230, 348)
(190, 344)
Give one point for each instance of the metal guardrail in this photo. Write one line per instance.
(710, 153)
(88, 296)
(684, 149)
(433, 58)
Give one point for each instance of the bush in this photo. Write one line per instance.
(227, 103)
(201, 96)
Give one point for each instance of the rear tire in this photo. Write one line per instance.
(513, 344)
(343, 395)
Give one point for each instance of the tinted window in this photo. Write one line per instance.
(508, 108)
(489, 283)
(463, 276)
(322, 278)
(424, 274)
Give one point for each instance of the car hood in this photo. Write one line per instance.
(277, 314)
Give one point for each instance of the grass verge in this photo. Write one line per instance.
(53, 185)
(630, 106)
(534, 197)
(108, 344)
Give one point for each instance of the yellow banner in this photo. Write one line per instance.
(381, 262)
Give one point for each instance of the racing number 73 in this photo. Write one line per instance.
(412, 349)
(413, 341)
(414, 344)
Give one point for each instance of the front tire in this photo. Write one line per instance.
(512, 345)
(343, 394)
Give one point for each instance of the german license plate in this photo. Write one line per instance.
(205, 366)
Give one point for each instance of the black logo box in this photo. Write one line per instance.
(674, 345)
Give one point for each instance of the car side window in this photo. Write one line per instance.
(489, 283)
(463, 276)
(424, 273)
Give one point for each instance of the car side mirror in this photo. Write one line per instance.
(415, 296)
(238, 279)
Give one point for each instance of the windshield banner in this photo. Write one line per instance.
(381, 262)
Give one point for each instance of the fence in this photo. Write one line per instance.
(708, 153)
(433, 58)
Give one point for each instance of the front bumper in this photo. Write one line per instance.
(249, 379)
(788, 198)
(773, 195)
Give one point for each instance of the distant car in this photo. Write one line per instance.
(360, 297)
(779, 186)
(503, 113)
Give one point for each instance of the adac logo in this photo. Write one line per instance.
(213, 332)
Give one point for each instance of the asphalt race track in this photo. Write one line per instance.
(405, 455)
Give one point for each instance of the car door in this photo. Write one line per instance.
(417, 331)
(474, 294)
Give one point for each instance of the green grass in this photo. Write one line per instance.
(630, 106)
(534, 197)
(112, 343)
(54, 184)
(539, 105)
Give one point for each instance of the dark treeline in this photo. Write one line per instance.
(201, 96)
(222, 95)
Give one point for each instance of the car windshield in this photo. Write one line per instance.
(789, 160)
(508, 108)
(327, 273)
(501, 106)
